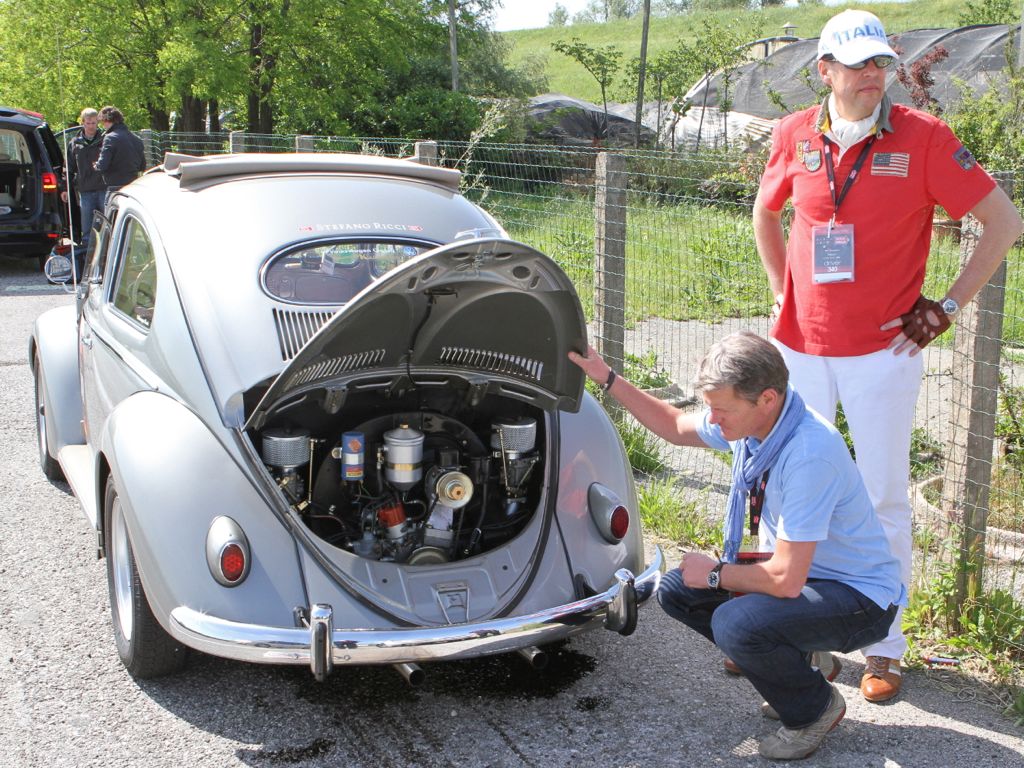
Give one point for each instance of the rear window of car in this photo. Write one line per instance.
(13, 147)
(332, 273)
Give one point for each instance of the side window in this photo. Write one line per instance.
(135, 294)
(96, 258)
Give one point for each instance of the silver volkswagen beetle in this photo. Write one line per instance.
(318, 410)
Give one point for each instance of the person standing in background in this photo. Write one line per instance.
(864, 176)
(122, 156)
(84, 181)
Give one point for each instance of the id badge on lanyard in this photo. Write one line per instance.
(832, 244)
(832, 253)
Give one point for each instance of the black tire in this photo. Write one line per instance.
(47, 461)
(145, 648)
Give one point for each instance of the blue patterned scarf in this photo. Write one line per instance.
(747, 467)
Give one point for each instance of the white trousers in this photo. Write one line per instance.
(878, 393)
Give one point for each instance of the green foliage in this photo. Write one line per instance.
(643, 447)
(990, 627)
(644, 372)
(296, 66)
(992, 125)
(990, 12)
(665, 513)
(1010, 423)
(558, 17)
(601, 62)
(432, 113)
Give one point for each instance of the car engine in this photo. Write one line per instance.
(418, 487)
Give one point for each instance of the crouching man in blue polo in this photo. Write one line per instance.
(831, 582)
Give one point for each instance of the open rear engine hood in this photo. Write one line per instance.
(497, 312)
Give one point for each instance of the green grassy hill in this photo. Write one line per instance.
(566, 76)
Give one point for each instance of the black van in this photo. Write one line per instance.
(31, 170)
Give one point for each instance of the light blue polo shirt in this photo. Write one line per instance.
(815, 493)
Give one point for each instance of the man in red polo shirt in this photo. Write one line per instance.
(864, 176)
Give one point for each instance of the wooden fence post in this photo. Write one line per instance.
(425, 152)
(610, 258)
(236, 141)
(967, 477)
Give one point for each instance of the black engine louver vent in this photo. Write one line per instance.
(325, 369)
(490, 360)
(294, 329)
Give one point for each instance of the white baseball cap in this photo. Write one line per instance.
(854, 36)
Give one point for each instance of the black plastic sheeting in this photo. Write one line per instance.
(562, 120)
(976, 57)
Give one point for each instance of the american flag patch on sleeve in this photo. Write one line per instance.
(890, 164)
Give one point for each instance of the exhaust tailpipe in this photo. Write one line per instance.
(534, 656)
(411, 672)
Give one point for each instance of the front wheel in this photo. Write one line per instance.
(47, 462)
(145, 648)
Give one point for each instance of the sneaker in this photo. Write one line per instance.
(824, 662)
(731, 667)
(882, 679)
(796, 743)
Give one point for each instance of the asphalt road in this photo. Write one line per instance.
(658, 698)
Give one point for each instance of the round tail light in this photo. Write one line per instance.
(232, 562)
(619, 522)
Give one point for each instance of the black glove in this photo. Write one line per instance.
(924, 322)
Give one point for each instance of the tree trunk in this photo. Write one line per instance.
(193, 114)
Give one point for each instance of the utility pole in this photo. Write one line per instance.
(643, 72)
(453, 45)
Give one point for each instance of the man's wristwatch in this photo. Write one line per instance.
(715, 576)
(950, 307)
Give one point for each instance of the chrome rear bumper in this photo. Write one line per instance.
(322, 646)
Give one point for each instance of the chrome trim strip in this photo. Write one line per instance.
(295, 645)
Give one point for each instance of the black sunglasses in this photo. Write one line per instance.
(880, 61)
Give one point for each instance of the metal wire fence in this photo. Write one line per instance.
(688, 273)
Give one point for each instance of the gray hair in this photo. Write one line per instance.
(745, 362)
(87, 112)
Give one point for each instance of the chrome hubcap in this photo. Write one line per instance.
(122, 570)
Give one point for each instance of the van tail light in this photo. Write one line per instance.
(49, 182)
(610, 515)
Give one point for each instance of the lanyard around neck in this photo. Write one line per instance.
(831, 172)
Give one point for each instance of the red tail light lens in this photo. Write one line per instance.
(49, 182)
(232, 562)
(619, 523)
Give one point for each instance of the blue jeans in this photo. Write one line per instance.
(89, 202)
(771, 638)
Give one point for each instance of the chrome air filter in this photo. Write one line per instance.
(285, 448)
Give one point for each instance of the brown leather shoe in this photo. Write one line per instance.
(731, 667)
(882, 679)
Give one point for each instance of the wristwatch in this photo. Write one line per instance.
(715, 576)
(950, 307)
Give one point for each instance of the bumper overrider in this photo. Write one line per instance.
(322, 646)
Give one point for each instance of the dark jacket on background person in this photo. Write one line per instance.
(82, 153)
(122, 157)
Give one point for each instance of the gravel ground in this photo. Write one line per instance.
(657, 698)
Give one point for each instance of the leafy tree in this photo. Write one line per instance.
(279, 65)
(559, 17)
(991, 125)
(718, 49)
(601, 62)
(990, 12)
